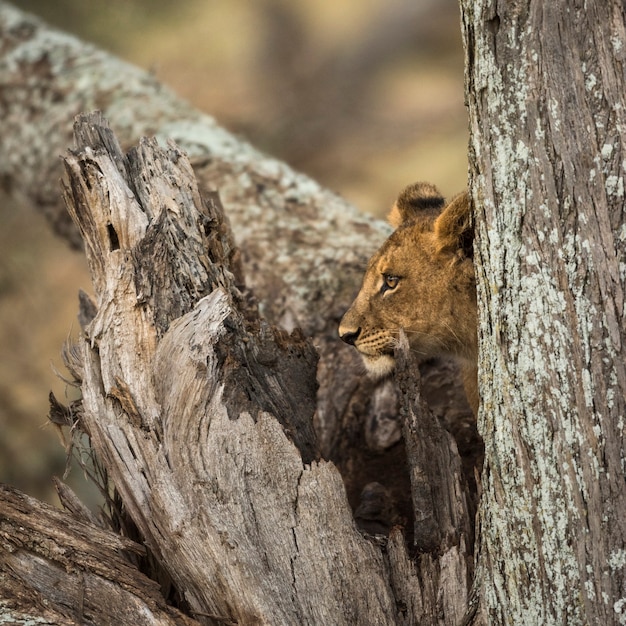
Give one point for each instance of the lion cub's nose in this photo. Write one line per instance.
(349, 336)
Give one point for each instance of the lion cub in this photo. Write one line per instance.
(421, 281)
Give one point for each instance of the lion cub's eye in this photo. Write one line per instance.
(390, 282)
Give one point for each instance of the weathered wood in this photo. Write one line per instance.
(547, 99)
(57, 570)
(264, 533)
(190, 458)
(443, 525)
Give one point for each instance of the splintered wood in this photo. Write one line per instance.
(202, 412)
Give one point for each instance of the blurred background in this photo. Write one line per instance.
(364, 96)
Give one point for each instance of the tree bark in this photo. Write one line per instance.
(547, 99)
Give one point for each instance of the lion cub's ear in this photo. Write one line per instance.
(454, 228)
(419, 199)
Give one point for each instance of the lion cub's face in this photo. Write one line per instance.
(421, 281)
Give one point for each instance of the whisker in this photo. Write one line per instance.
(433, 338)
(457, 338)
(414, 350)
(414, 332)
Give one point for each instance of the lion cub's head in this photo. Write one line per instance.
(421, 281)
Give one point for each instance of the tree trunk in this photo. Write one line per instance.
(547, 99)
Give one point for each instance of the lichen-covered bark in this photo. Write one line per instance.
(60, 77)
(547, 98)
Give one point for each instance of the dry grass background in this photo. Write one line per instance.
(363, 96)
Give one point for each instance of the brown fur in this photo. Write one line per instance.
(421, 281)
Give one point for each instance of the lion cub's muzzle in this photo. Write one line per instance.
(349, 335)
(376, 349)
